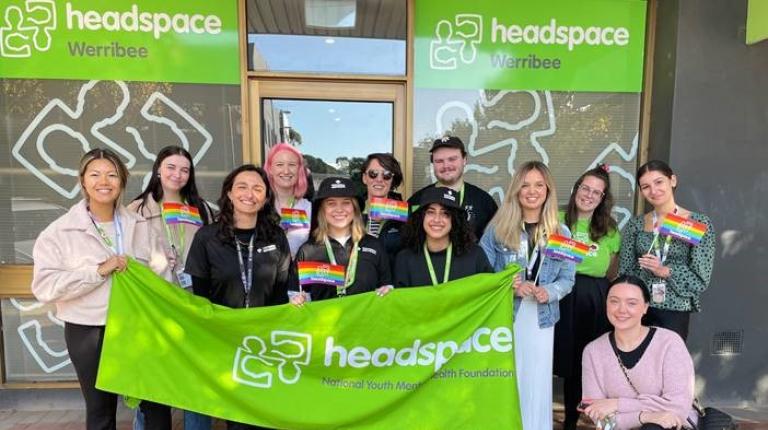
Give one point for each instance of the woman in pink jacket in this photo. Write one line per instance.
(637, 376)
(75, 258)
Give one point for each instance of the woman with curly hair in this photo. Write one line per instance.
(582, 313)
(439, 245)
(518, 234)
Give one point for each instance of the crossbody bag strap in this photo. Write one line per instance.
(622, 366)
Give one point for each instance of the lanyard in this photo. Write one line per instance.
(175, 240)
(349, 276)
(461, 195)
(247, 280)
(532, 258)
(431, 269)
(661, 251)
(116, 248)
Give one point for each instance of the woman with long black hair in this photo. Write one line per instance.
(172, 189)
(439, 245)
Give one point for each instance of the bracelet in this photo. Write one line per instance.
(640, 417)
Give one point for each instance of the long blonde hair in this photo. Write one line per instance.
(508, 220)
(321, 232)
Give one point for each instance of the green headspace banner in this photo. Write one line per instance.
(757, 21)
(427, 358)
(193, 41)
(560, 45)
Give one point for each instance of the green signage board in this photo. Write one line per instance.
(194, 41)
(418, 358)
(561, 45)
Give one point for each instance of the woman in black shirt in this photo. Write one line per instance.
(243, 259)
(338, 240)
(439, 244)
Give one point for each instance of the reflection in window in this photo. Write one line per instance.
(571, 132)
(335, 137)
(327, 36)
(52, 123)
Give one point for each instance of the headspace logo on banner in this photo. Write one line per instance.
(173, 41)
(593, 45)
(255, 363)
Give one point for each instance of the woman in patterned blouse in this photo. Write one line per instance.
(676, 272)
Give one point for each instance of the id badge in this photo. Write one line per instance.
(658, 292)
(185, 279)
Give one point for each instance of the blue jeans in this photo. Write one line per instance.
(195, 421)
(192, 421)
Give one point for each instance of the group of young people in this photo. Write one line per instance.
(246, 254)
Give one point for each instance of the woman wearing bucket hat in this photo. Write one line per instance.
(340, 258)
(439, 244)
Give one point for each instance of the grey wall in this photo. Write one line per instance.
(713, 123)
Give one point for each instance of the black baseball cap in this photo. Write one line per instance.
(449, 142)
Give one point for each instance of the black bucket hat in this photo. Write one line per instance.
(334, 187)
(441, 195)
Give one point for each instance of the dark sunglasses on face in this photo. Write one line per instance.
(385, 174)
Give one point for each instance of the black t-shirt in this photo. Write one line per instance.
(215, 269)
(478, 204)
(630, 358)
(372, 272)
(411, 267)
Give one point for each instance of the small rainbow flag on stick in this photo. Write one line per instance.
(388, 209)
(315, 272)
(179, 213)
(293, 218)
(684, 229)
(564, 248)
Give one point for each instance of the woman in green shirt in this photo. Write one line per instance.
(675, 271)
(582, 313)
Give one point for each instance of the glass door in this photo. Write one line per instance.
(334, 124)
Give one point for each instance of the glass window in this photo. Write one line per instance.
(570, 132)
(327, 36)
(49, 125)
(33, 338)
(334, 136)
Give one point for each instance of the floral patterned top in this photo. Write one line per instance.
(690, 266)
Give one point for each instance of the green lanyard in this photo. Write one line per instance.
(431, 269)
(349, 277)
(175, 240)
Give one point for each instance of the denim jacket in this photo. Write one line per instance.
(556, 276)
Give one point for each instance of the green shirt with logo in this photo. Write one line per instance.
(599, 257)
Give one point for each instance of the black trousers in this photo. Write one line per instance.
(231, 425)
(84, 346)
(676, 321)
(650, 426)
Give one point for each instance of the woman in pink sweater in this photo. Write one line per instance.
(637, 376)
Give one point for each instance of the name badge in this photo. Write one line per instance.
(267, 248)
(658, 292)
(185, 279)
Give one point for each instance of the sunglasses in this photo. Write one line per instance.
(385, 174)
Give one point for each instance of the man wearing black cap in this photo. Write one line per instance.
(448, 158)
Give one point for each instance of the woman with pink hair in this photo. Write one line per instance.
(288, 178)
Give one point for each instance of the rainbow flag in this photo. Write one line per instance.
(315, 272)
(564, 248)
(388, 209)
(684, 229)
(178, 213)
(293, 218)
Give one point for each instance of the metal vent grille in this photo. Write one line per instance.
(728, 342)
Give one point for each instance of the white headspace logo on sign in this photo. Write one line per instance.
(22, 31)
(455, 41)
